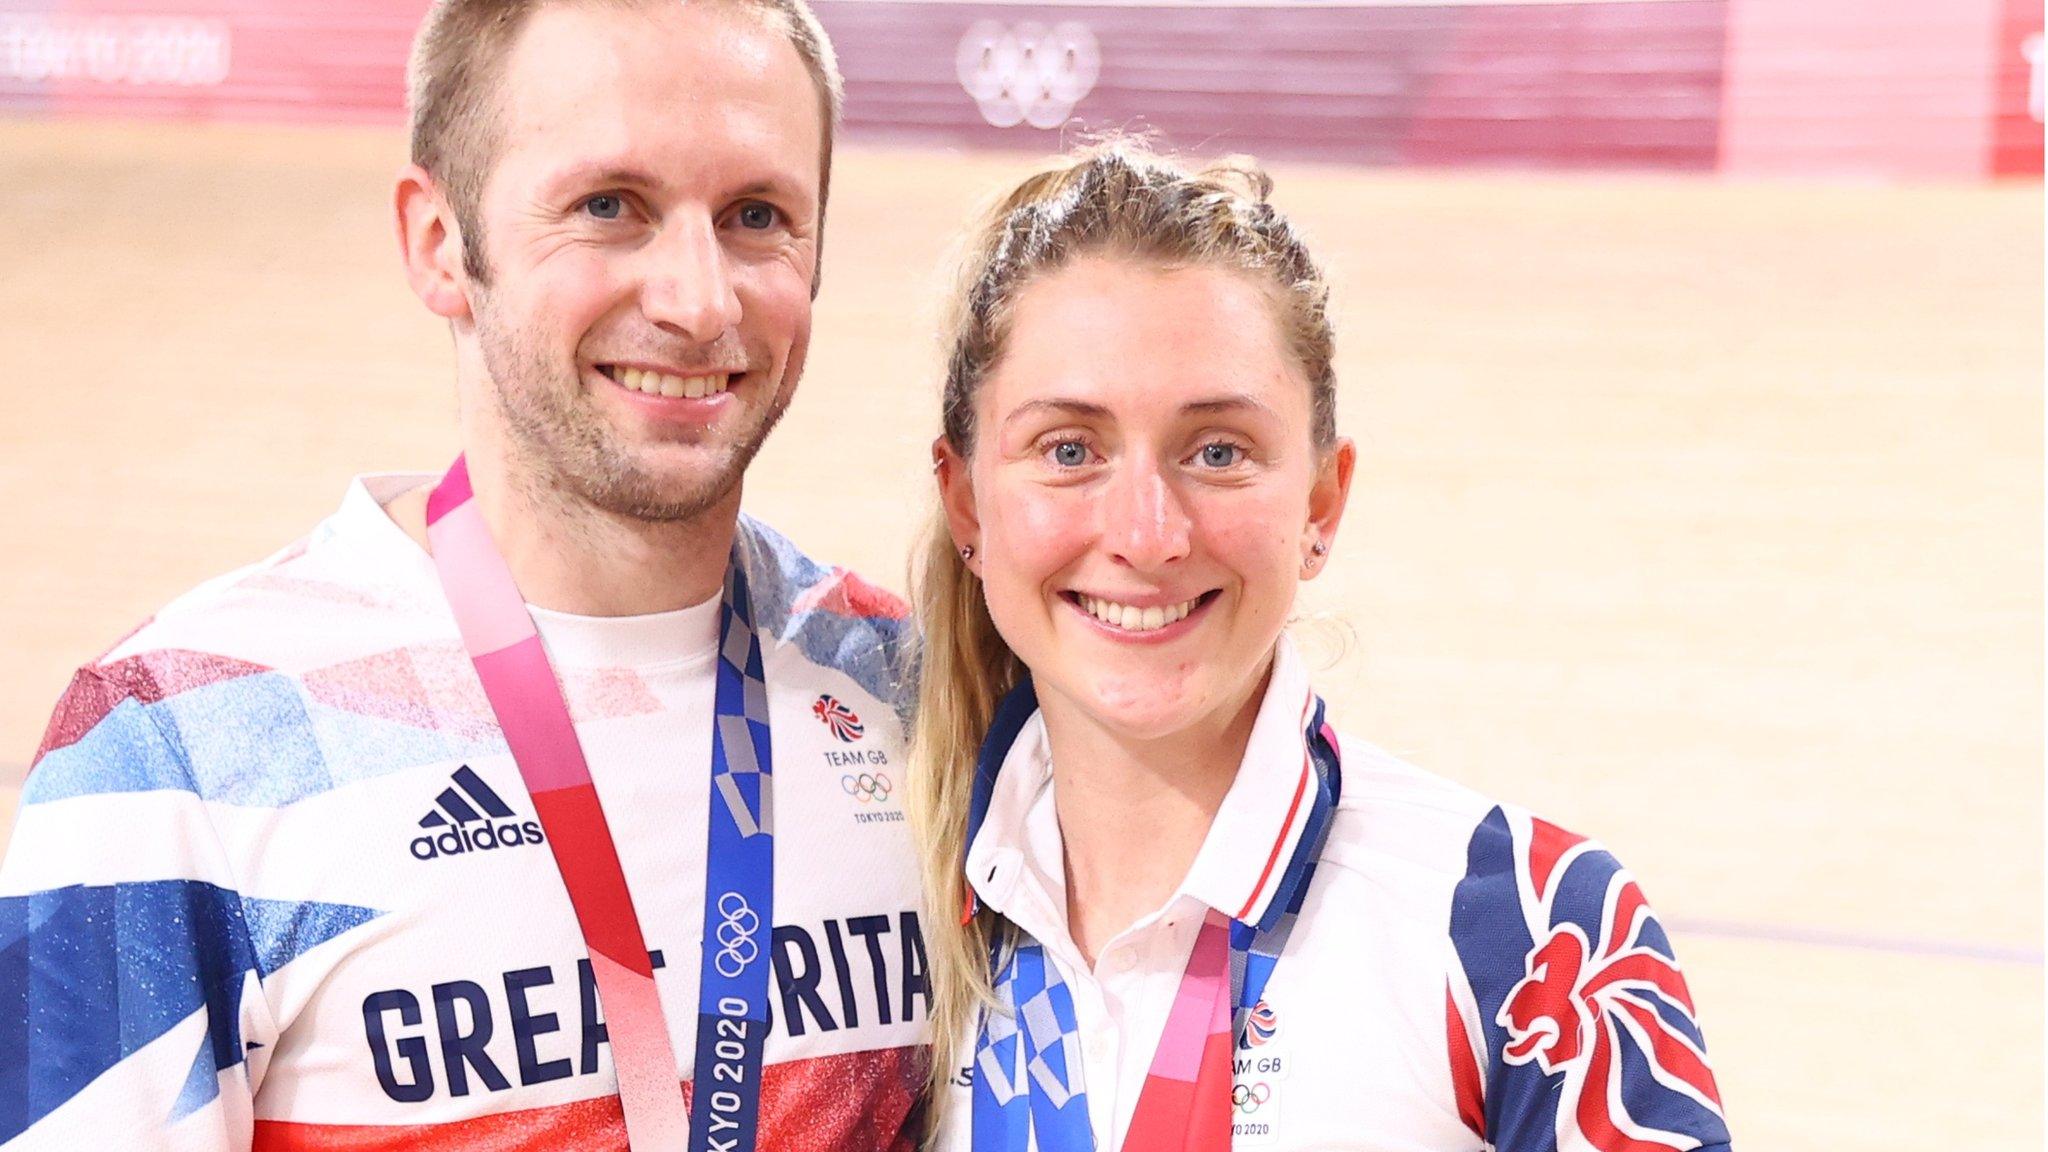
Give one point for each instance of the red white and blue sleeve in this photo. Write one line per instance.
(132, 1012)
(1568, 1021)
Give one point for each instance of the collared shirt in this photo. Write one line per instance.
(276, 882)
(1417, 1003)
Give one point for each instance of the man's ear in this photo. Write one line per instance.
(956, 496)
(430, 243)
(1326, 502)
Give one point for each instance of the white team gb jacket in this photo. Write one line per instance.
(1461, 976)
(276, 883)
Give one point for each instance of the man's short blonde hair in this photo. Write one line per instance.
(459, 56)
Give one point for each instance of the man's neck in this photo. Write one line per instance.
(568, 556)
(1133, 814)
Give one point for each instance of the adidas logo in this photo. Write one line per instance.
(465, 828)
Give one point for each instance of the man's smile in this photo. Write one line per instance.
(669, 384)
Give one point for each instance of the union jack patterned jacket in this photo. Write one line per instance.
(276, 883)
(1462, 975)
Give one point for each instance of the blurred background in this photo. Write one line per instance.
(1694, 349)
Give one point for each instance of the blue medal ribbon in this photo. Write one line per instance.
(1027, 1060)
(518, 679)
(739, 890)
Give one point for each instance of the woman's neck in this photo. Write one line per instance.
(1133, 813)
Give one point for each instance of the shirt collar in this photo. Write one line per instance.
(1013, 840)
(363, 518)
(1240, 863)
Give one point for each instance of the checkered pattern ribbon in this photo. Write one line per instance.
(1028, 1072)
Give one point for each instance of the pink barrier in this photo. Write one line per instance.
(2016, 102)
(1632, 84)
(319, 60)
(1886, 88)
(1880, 88)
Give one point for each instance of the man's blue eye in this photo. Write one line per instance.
(757, 216)
(1070, 454)
(1219, 455)
(604, 207)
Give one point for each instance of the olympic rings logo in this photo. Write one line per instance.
(1247, 1098)
(1027, 74)
(735, 934)
(865, 787)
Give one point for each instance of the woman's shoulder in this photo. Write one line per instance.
(1395, 813)
(1396, 818)
(1549, 956)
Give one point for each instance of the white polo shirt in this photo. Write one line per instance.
(1435, 994)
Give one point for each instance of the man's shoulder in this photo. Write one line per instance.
(830, 614)
(230, 683)
(319, 584)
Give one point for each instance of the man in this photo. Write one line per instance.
(312, 860)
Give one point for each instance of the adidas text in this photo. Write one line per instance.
(459, 839)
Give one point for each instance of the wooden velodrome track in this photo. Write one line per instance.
(1704, 517)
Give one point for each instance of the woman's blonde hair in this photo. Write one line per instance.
(1116, 199)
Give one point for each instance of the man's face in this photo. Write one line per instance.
(651, 229)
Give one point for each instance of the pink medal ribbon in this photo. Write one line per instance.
(1185, 1102)
(1027, 1084)
(499, 634)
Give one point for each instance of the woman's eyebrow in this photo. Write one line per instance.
(1234, 402)
(1088, 410)
(1080, 408)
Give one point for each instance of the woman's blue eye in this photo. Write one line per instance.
(1070, 454)
(757, 216)
(1220, 455)
(604, 207)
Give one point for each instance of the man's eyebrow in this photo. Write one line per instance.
(787, 187)
(770, 186)
(626, 176)
(603, 176)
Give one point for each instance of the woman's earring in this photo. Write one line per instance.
(1320, 549)
(966, 552)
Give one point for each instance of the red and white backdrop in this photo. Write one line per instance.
(1914, 89)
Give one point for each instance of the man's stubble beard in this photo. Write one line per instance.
(563, 451)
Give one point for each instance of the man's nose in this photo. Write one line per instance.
(1145, 522)
(689, 289)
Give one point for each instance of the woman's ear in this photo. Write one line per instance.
(956, 496)
(1326, 500)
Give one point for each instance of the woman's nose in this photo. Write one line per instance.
(1145, 522)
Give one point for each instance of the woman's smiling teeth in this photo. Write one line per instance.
(673, 387)
(1134, 619)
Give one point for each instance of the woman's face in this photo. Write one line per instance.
(1144, 492)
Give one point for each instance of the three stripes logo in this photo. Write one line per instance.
(470, 817)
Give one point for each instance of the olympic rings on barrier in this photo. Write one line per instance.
(1030, 74)
(865, 787)
(735, 934)
(1246, 1098)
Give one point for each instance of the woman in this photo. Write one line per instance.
(1191, 921)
